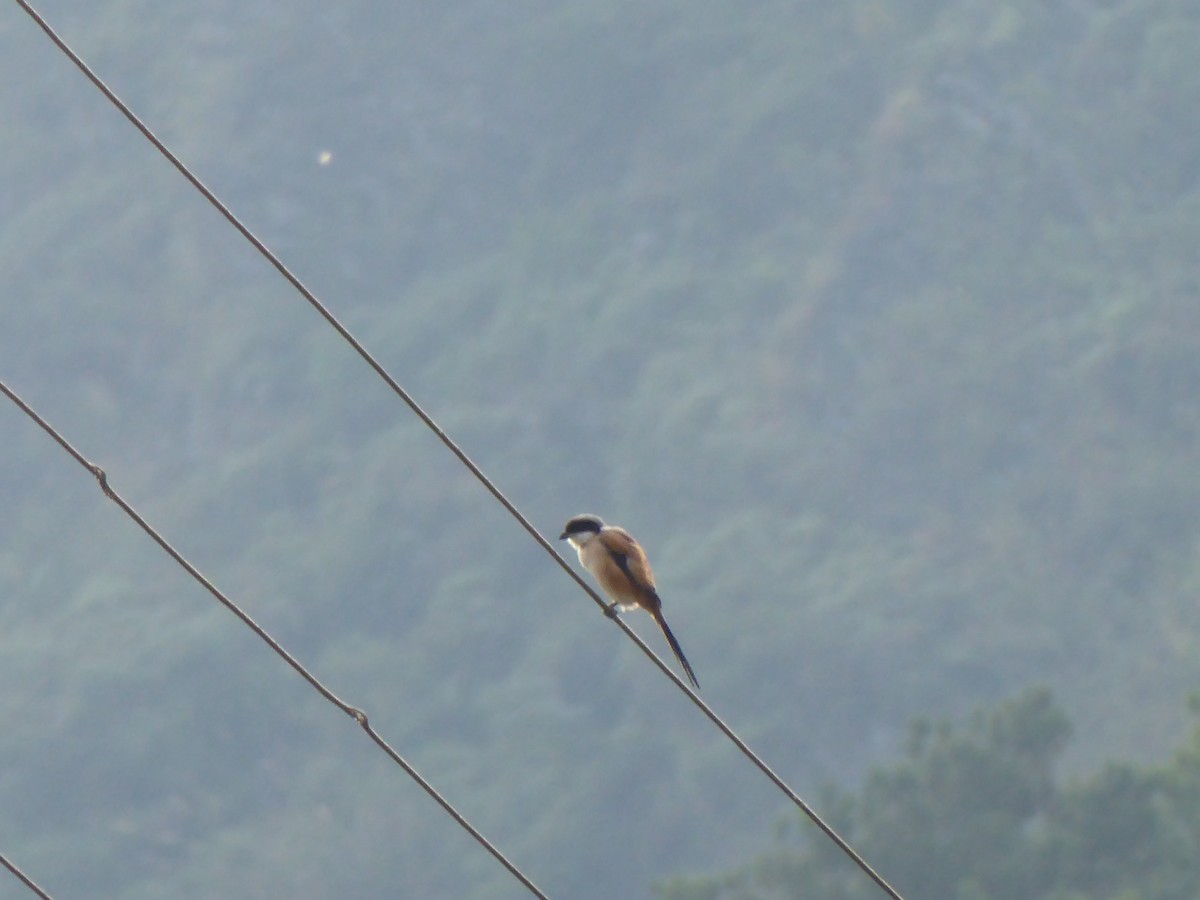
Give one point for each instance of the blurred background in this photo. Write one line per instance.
(877, 323)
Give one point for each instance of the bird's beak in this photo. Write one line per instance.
(563, 536)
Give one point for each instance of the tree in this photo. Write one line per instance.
(974, 812)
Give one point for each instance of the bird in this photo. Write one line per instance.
(619, 563)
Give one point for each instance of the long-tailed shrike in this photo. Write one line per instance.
(619, 563)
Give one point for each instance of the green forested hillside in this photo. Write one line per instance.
(876, 322)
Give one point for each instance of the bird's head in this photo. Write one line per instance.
(580, 529)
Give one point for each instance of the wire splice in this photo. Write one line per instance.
(352, 711)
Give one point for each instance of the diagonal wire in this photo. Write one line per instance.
(428, 420)
(25, 879)
(357, 714)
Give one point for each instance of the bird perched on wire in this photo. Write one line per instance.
(619, 563)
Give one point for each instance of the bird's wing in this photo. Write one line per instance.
(629, 556)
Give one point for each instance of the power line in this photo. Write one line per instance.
(354, 712)
(28, 882)
(428, 420)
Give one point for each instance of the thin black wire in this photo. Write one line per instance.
(354, 712)
(29, 882)
(312, 299)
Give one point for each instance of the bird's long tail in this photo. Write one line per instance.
(662, 623)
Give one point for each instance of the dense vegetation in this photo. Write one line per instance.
(876, 322)
(976, 812)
